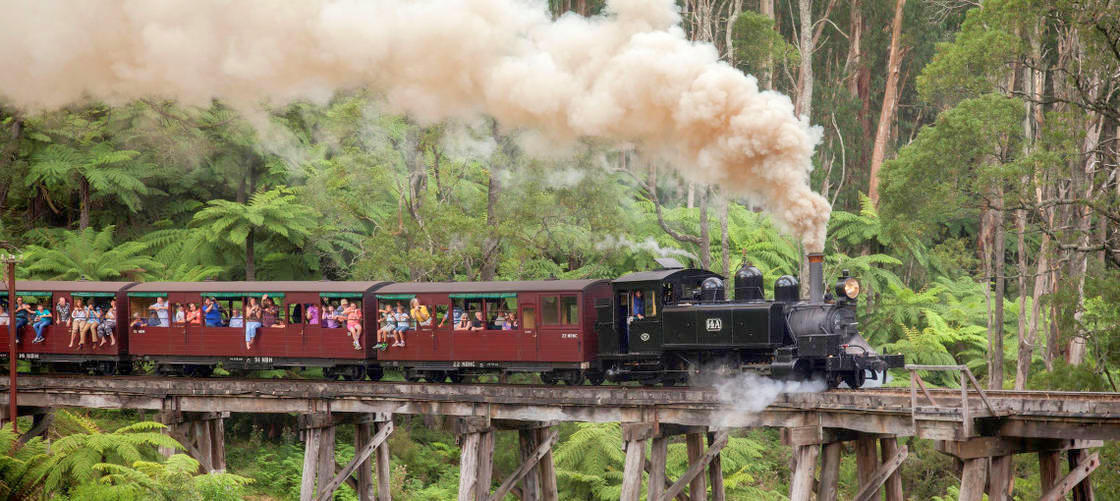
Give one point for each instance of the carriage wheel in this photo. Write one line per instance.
(354, 373)
(455, 377)
(855, 379)
(105, 368)
(412, 376)
(375, 373)
(200, 371)
(549, 378)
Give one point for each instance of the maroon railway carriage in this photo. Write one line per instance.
(55, 350)
(195, 349)
(555, 333)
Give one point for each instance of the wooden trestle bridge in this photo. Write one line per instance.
(982, 429)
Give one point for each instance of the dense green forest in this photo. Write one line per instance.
(970, 150)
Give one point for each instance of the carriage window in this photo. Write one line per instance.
(295, 312)
(528, 318)
(550, 311)
(493, 313)
(440, 313)
(569, 310)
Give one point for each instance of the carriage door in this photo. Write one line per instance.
(531, 341)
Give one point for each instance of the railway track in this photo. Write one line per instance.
(703, 393)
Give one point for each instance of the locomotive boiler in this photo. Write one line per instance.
(673, 324)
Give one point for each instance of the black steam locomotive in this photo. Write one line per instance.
(675, 323)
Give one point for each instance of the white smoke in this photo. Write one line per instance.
(630, 76)
(747, 394)
(648, 245)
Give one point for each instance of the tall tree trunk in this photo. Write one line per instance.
(492, 245)
(1022, 365)
(8, 156)
(999, 272)
(250, 258)
(83, 193)
(1091, 148)
(890, 101)
(766, 8)
(804, 104)
(857, 71)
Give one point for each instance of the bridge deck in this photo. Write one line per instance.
(884, 411)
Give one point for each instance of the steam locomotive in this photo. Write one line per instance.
(667, 326)
(692, 328)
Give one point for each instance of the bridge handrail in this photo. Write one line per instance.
(966, 378)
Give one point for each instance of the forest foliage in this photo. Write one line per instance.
(990, 238)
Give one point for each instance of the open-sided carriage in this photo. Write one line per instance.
(295, 341)
(55, 349)
(553, 332)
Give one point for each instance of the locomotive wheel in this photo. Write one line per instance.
(572, 378)
(596, 378)
(671, 380)
(834, 380)
(855, 379)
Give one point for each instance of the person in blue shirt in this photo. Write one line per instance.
(638, 306)
(213, 312)
(22, 315)
(456, 315)
(42, 320)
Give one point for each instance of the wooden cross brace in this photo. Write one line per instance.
(869, 491)
(1074, 477)
(360, 457)
(529, 463)
(697, 467)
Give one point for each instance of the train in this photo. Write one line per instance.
(667, 326)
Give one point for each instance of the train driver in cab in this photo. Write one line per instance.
(638, 306)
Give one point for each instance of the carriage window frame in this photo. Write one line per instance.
(552, 312)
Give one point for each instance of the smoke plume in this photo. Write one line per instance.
(648, 245)
(630, 76)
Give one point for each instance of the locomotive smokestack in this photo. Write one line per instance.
(816, 277)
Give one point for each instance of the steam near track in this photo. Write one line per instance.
(750, 393)
(628, 77)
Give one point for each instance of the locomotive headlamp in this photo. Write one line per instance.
(850, 288)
